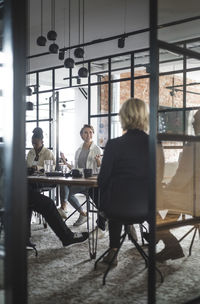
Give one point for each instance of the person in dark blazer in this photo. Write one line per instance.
(124, 170)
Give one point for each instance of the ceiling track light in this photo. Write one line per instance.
(148, 69)
(28, 91)
(29, 106)
(121, 42)
(78, 80)
(61, 55)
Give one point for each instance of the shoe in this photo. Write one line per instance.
(169, 253)
(77, 238)
(62, 213)
(108, 258)
(100, 233)
(145, 236)
(132, 232)
(30, 245)
(81, 220)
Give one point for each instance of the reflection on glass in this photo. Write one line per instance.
(31, 115)
(29, 133)
(61, 78)
(178, 196)
(121, 67)
(44, 99)
(45, 127)
(116, 129)
(120, 92)
(2, 236)
(141, 89)
(177, 122)
(100, 125)
(171, 122)
(45, 81)
(99, 99)
(171, 91)
(193, 89)
(99, 71)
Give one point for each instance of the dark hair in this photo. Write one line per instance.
(86, 126)
(38, 133)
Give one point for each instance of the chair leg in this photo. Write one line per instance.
(116, 253)
(195, 228)
(190, 249)
(103, 254)
(138, 247)
(145, 256)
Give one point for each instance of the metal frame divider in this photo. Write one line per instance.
(154, 88)
(15, 48)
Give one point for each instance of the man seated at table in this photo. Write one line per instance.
(46, 206)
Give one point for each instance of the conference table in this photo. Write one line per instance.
(90, 182)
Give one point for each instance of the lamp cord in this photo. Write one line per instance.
(69, 26)
(41, 17)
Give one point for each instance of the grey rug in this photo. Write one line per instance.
(67, 276)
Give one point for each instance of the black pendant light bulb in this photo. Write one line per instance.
(83, 72)
(52, 35)
(41, 40)
(69, 62)
(53, 48)
(79, 52)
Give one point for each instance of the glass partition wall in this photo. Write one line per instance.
(98, 98)
(178, 167)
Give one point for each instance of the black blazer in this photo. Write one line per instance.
(123, 178)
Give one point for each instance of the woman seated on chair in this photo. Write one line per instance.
(88, 156)
(124, 171)
(37, 155)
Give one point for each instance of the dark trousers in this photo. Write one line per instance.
(115, 229)
(101, 221)
(46, 207)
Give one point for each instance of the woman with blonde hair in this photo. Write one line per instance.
(124, 170)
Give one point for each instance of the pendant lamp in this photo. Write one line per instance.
(61, 54)
(83, 72)
(69, 62)
(52, 35)
(79, 52)
(41, 40)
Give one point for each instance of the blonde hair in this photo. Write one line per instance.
(134, 115)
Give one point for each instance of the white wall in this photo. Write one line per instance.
(71, 121)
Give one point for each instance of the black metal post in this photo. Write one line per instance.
(15, 50)
(154, 84)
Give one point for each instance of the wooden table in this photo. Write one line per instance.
(90, 182)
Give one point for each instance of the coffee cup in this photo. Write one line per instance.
(87, 173)
(76, 173)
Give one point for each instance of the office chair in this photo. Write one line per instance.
(127, 232)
